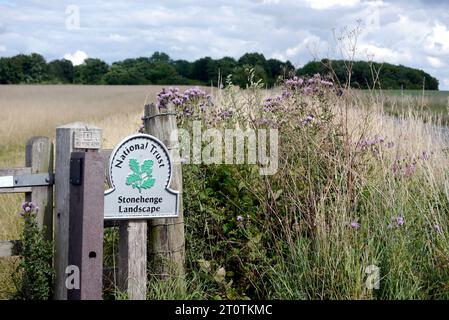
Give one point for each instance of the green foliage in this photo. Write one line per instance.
(161, 69)
(157, 69)
(290, 236)
(23, 69)
(390, 76)
(34, 275)
(90, 72)
(61, 71)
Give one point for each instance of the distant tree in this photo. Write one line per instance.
(225, 67)
(390, 76)
(91, 71)
(38, 71)
(253, 59)
(10, 73)
(163, 73)
(118, 74)
(24, 69)
(160, 57)
(202, 69)
(277, 68)
(240, 75)
(61, 71)
(159, 68)
(183, 67)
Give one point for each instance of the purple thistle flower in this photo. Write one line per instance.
(399, 221)
(239, 218)
(327, 83)
(425, 156)
(438, 228)
(355, 225)
(409, 169)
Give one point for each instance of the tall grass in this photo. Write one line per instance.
(358, 190)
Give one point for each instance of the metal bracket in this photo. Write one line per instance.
(76, 171)
(27, 180)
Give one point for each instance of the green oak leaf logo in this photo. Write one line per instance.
(141, 176)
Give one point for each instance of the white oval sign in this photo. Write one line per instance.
(139, 174)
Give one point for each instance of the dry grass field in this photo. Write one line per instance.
(39, 109)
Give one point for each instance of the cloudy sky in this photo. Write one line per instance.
(413, 33)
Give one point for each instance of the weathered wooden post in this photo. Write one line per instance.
(70, 138)
(133, 258)
(39, 157)
(86, 224)
(167, 240)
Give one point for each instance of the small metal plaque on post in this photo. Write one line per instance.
(87, 139)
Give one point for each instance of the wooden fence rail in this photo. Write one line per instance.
(38, 160)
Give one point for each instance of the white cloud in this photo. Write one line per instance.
(326, 4)
(438, 41)
(435, 62)
(118, 38)
(383, 54)
(312, 45)
(413, 33)
(77, 58)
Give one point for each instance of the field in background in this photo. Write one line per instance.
(38, 109)
(435, 103)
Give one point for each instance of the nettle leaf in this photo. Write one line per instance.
(132, 178)
(148, 183)
(147, 166)
(134, 165)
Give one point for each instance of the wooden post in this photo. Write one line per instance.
(39, 157)
(167, 240)
(86, 224)
(65, 145)
(133, 259)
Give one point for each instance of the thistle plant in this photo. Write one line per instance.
(34, 275)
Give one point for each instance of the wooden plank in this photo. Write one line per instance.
(167, 241)
(9, 248)
(16, 190)
(39, 157)
(14, 172)
(64, 148)
(133, 259)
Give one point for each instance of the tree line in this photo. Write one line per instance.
(372, 75)
(159, 68)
